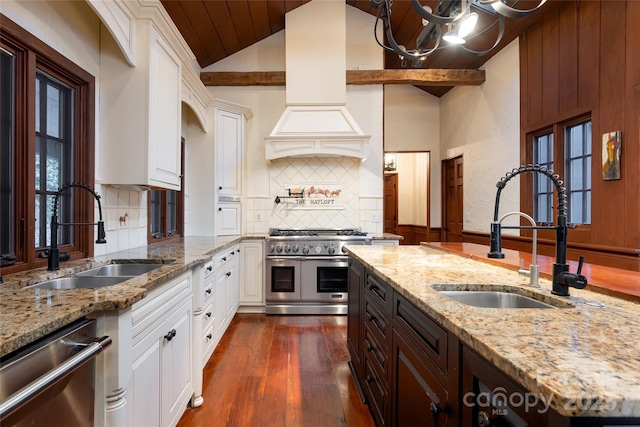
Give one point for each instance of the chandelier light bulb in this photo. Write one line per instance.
(467, 24)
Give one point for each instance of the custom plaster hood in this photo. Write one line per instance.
(316, 122)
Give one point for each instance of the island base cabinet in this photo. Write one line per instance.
(418, 399)
(491, 399)
(354, 320)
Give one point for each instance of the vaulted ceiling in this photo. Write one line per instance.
(215, 29)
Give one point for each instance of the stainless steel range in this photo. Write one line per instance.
(307, 270)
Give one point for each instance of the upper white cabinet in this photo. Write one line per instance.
(140, 113)
(229, 131)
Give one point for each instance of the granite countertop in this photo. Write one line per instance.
(29, 314)
(585, 358)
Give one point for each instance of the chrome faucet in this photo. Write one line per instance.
(562, 278)
(533, 271)
(54, 252)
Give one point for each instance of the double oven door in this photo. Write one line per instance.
(307, 279)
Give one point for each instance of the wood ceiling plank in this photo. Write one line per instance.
(260, 18)
(197, 14)
(223, 23)
(436, 78)
(175, 11)
(242, 22)
(276, 15)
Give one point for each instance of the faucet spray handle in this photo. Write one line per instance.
(580, 262)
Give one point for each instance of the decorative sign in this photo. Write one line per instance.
(314, 196)
(611, 147)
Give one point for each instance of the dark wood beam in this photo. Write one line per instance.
(354, 77)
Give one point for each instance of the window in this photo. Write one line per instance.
(47, 140)
(574, 148)
(165, 212)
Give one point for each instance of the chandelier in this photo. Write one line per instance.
(451, 24)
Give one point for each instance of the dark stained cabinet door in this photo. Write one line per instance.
(354, 317)
(418, 398)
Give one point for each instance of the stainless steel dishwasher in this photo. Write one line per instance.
(52, 381)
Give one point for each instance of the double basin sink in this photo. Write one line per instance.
(489, 297)
(107, 275)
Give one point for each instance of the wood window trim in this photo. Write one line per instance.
(34, 54)
(152, 238)
(582, 232)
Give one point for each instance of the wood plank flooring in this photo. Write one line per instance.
(280, 371)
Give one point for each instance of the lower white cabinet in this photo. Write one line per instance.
(385, 242)
(226, 292)
(162, 374)
(252, 276)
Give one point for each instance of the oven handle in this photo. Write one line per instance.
(326, 258)
(281, 259)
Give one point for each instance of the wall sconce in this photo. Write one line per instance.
(389, 162)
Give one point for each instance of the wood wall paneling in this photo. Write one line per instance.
(583, 57)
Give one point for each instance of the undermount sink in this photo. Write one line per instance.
(495, 299)
(78, 282)
(492, 296)
(119, 270)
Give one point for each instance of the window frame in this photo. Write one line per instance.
(33, 55)
(179, 202)
(558, 130)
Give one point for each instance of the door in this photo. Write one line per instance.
(453, 196)
(391, 203)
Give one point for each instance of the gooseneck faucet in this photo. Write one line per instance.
(562, 278)
(54, 252)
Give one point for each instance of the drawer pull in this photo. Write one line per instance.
(210, 268)
(170, 335)
(369, 378)
(233, 252)
(208, 314)
(209, 336)
(369, 347)
(224, 258)
(228, 274)
(370, 317)
(435, 409)
(207, 291)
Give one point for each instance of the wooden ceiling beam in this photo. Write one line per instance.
(430, 77)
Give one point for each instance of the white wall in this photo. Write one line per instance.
(365, 103)
(483, 125)
(412, 123)
(412, 169)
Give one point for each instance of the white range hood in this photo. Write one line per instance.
(316, 122)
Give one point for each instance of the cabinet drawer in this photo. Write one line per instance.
(208, 343)
(226, 256)
(430, 338)
(208, 292)
(207, 316)
(377, 321)
(376, 352)
(159, 303)
(378, 291)
(376, 392)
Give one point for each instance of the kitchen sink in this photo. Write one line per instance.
(78, 282)
(495, 299)
(119, 270)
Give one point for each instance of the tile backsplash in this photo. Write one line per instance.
(261, 213)
(125, 218)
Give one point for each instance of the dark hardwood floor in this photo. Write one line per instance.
(280, 371)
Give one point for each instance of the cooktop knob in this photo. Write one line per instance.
(344, 250)
(305, 250)
(272, 248)
(332, 250)
(318, 249)
(287, 248)
(279, 249)
(295, 248)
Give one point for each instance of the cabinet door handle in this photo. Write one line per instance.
(170, 335)
(220, 188)
(435, 409)
(370, 317)
(210, 268)
(229, 274)
(219, 209)
(224, 258)
(209, 336)
(369, 347)
(207, 291)
(369, 378)
(208, 314)
(233, 253)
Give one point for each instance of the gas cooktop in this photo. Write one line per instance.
(323, 232)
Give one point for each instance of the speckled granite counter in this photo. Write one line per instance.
(586, 358)
(29, 314)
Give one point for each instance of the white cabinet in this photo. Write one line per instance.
(161, 382)
(229, 131)
(202, 325)
(252, 276)
(226, 293)
(140, 114)
(385, 242)
(229, 219)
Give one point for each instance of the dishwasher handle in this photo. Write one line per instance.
(37, 386)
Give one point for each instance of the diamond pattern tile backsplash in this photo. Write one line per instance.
(262, 213)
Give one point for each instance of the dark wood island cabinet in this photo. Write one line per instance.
(412, 371)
